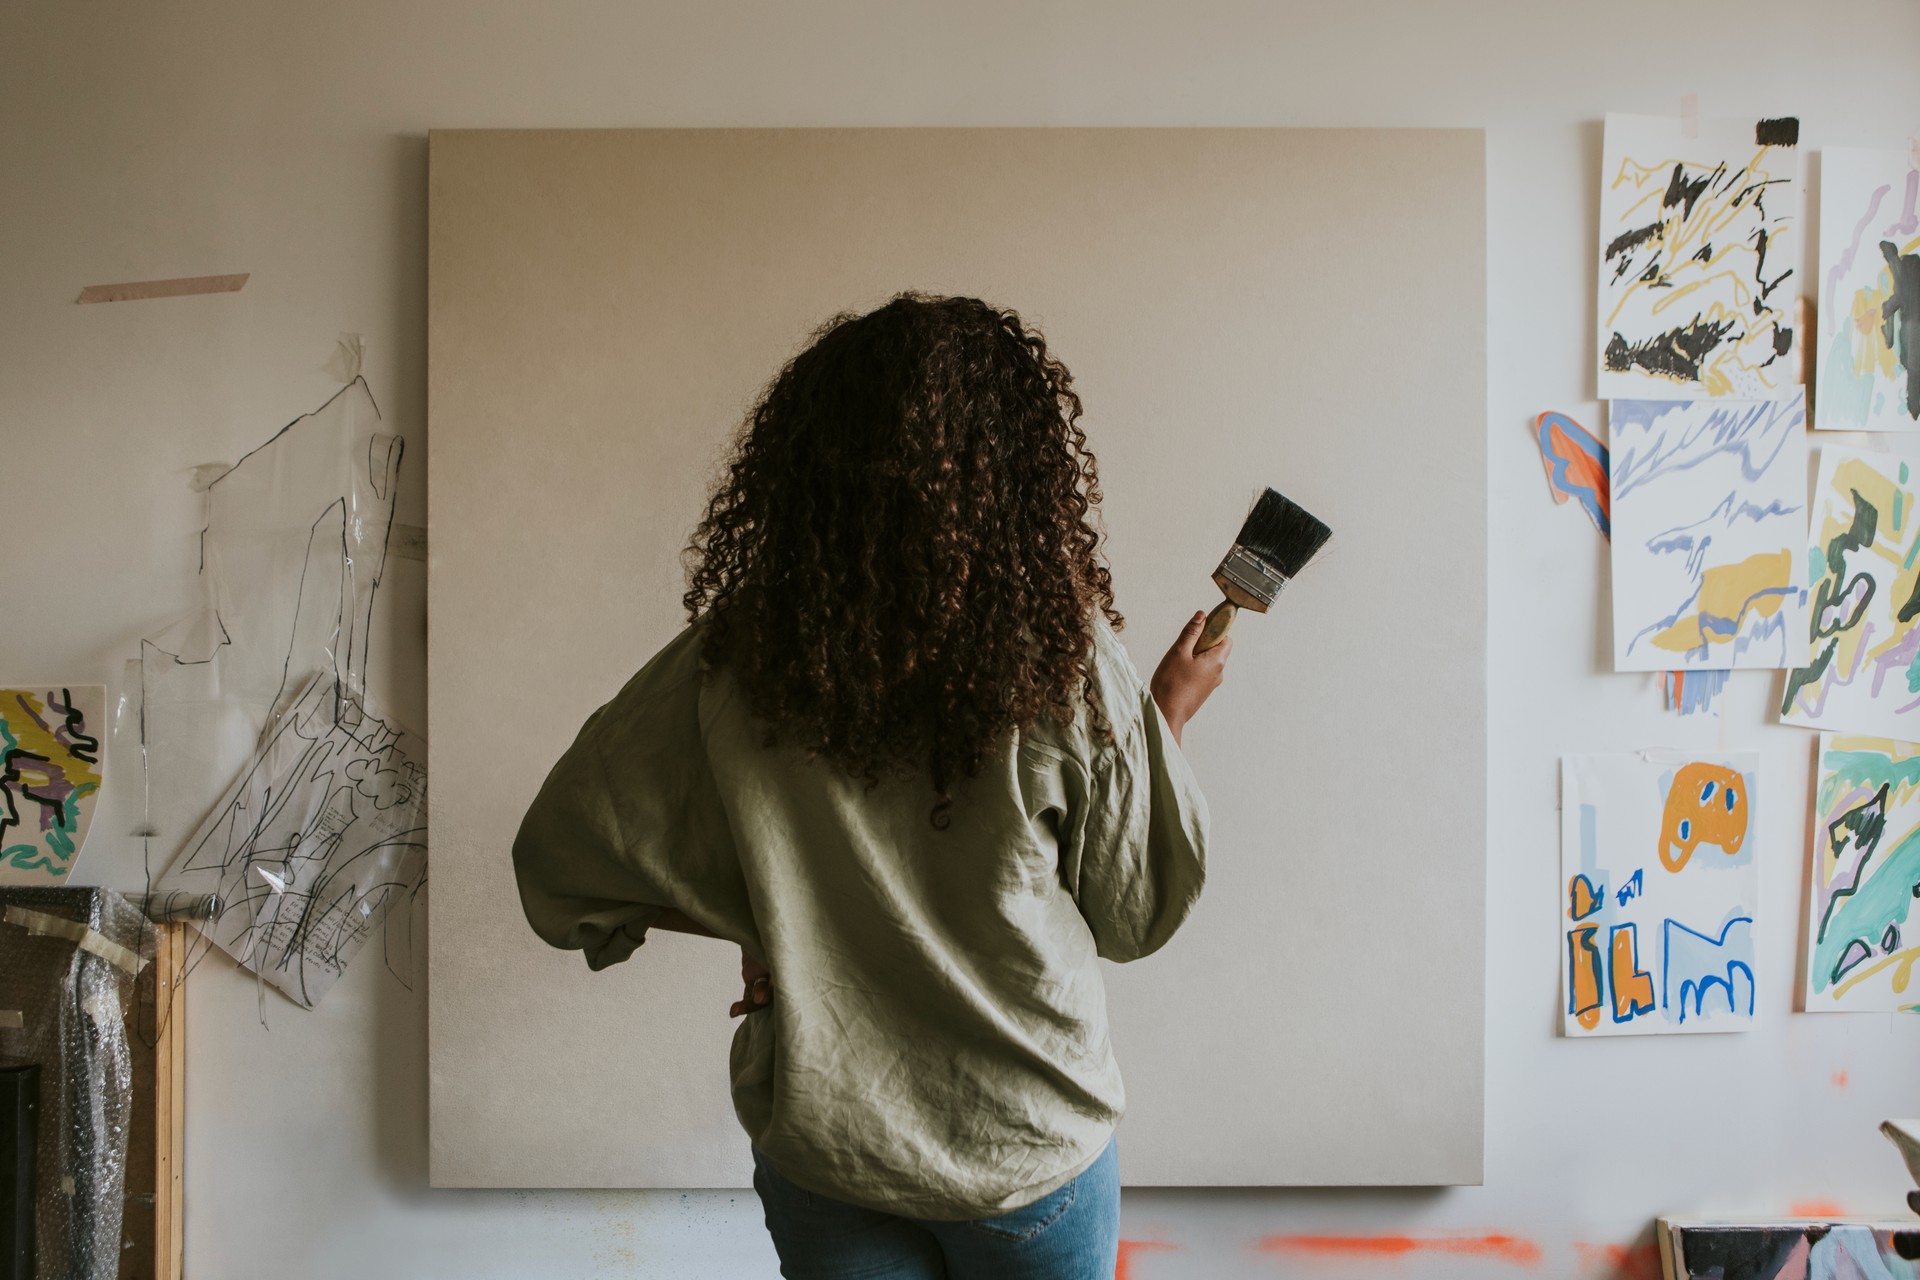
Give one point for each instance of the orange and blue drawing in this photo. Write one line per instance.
(50, 777)
(1576, 465)
(1658, 892)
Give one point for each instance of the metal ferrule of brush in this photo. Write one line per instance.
(1252, 575)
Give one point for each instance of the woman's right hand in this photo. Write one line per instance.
(1184, 679)
(757, 984)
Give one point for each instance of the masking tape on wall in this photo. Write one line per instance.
(140, 290)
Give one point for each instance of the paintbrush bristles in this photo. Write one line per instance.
(1282, 533)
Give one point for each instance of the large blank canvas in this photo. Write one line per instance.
(602, 308)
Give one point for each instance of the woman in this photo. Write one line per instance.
(900, 759)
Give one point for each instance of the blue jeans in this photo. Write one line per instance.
(1072, 1233)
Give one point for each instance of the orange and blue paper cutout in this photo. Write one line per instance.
(1576, 466)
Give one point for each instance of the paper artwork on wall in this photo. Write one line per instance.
(1868, 353)
(1709, 534)
(1657, 893)
(1693, 692)
(1863, 933)
(321, 834)
(1863, 668)
(1576, 466)
(1697, 245)
(50, 776)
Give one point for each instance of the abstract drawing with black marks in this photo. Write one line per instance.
(321, 835)
(1862, 674)
(1697, 242)
(1869, 304)
(50, 778)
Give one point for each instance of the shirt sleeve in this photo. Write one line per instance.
(629, 823)
(1136, 858)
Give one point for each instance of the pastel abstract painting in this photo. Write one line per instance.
(1791, 1249)
(50, 776)
(1697, 243)
(1709, 502)
(1868, 356)
(1863, 673)
(1863, 939)
(1657, 893)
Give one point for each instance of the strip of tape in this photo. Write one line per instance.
(201, 478)
(12, 1019)
(88, 940)
(1913, 152)
(1690, 115)
(184, 286)
(178, 904)
(349, 354)
(409, 542)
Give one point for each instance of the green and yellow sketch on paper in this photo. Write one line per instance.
(1869, 314)
(50, 777)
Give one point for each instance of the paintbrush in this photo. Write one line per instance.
(1275, 543)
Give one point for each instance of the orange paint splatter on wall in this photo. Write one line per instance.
(1816, 1209)
(1840, 1080)
(1502, 1247)
(1621, 1261)
(1123, 1270)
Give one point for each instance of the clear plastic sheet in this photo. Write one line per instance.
(269, 779)
(73, 1003)
(271, 782)
(294, 544)
(324, 830)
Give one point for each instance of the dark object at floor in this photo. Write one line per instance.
(19, 1129)
(73, 1004)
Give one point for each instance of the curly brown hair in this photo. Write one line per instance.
(901, 561)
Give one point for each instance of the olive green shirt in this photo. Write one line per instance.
(937, 1041)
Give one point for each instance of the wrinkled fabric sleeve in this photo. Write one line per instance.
(1135, 860)
(628, 824)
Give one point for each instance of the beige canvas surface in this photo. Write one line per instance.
(1301, 308)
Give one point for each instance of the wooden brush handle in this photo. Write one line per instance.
(1217, 623)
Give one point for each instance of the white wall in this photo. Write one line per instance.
(145, 140)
